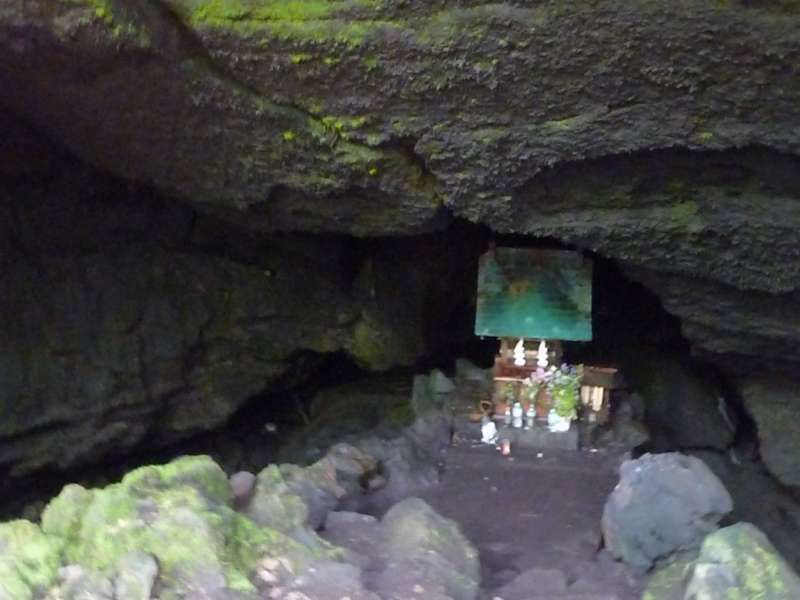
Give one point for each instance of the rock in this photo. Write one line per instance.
(667, 581)
(243, 485)
(740, 562)
(142, 307)
(177, 516)
(29, 560)
(760, 499)
(466, 370)
(328, 581)
(428, 550)
(274, 505)
(542, 582)
(379, 403)
(773, 404)
(136, 576)
(78, 583)
(441, 383)
(425, 399)
(138, 320)
(288, 497)
(404, 462)
(681, 410)
(662, 503)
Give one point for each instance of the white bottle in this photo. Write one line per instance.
(530, 417)
(507, 416)
(516, 415)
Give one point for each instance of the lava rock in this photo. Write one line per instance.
(136, 576)
(427, 550)
(289, 497)
(662, 503)
(243, 485)
(773, 404)
(78, 583)
(29, 559)
(681, 410)
(740, 562)
(542, 582)
(327, 581)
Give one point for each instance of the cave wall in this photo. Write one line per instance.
(131, 320)
(662, 135)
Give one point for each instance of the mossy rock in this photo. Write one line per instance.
(668, 580)
(29, 560)
(180, 514)
(740, 563)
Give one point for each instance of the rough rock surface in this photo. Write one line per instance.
(759, 498)
(412, 552)
(171, 531)
(734, 562)
(740, 561)
(663, 503)
(659, 134)
(135, 319)
(680, 407)
(656, 133)
(773, 403)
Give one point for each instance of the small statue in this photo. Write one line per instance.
(519, 353)
(541, 355)
(488, 431)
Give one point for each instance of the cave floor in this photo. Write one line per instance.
(535, 518)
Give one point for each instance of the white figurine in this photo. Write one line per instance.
(519, 353)
(541, 355)
(488, 431)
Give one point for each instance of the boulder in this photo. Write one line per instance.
(680, 409)
(662, 503)
(177, 516)
(243, 486)
(426, 551)
(289, 497)
(774, 404)
(739, 561)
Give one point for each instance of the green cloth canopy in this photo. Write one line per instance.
(529, 293)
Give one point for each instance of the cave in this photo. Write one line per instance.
(252, 231)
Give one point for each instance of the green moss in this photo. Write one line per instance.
(400, 414)
(307, 20)
(62, 516)
(29, 560)
(300, 58)
(368, 345)
(686, 216)
(371, 62)
(288, 135)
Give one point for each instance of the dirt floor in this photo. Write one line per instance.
(535, 518)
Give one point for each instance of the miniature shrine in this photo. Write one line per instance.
(533, 300)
